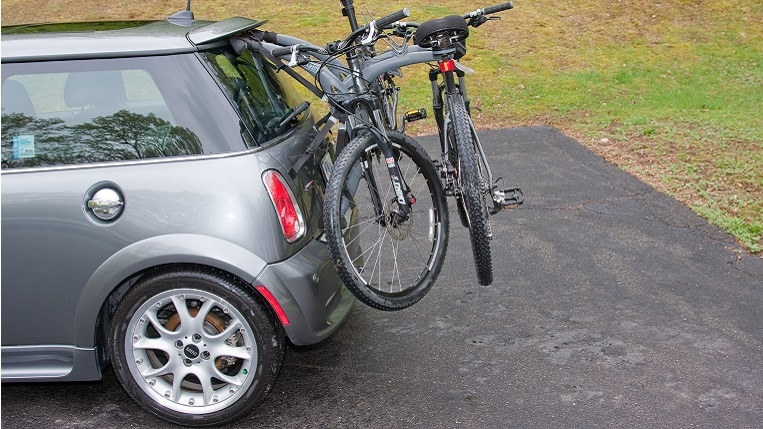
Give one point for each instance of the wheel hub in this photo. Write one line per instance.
(396, 228)
(191, 351)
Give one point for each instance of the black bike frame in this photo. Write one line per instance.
(348, 10)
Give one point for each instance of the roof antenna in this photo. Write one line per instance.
(183, 17)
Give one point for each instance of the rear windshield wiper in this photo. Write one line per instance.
(280, 123)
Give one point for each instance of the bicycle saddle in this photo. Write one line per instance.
(426, 34)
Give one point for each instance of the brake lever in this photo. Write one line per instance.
(371, 37)
(478, 20)
(294, 52)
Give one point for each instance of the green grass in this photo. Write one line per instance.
(671, 92)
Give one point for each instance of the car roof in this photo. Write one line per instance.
(45, 42)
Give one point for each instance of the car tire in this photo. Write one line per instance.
(226, 362)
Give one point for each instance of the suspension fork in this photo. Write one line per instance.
(370, 109)
(462, 87)
(437, 103)
(437, 106)
(403, 194)
(447, 68)
(451, 88)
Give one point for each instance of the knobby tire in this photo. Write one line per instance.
(472, 196)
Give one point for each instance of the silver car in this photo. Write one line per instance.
(161, 212)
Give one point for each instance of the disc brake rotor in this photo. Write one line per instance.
(395, 228)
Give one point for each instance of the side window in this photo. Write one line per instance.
(83, 115)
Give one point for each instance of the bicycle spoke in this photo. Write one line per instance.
(395, 269)
(377, 263)
(369, 251)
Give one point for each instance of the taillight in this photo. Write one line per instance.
(447, 66)
(289, 214)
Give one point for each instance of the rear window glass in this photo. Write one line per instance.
(75, 112)
(262, 99)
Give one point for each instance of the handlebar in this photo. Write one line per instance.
(474, 18)
(280, 52)
(498, 8)
(479, 16)
(374, 26)
(298, 48)
(391, 18)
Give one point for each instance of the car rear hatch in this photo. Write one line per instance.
(272, 113)
(306, 158)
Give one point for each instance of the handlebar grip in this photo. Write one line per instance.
(280, 52)
(497, 8)
(392, 18)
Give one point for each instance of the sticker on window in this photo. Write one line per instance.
(23, 146)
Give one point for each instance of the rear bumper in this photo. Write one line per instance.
(310, 292)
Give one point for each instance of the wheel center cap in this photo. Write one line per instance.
(191, 351)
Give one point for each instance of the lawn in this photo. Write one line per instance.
(670, 91)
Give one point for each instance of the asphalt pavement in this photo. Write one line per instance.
(614, 306)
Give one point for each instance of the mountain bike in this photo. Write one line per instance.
(464, 166)
(385, 213)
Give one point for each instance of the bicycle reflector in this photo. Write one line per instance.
(447, 66)
(289, 213)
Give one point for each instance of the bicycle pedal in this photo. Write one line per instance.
(415, 115)
(507, 199)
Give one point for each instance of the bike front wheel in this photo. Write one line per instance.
(472, 203)
(387, 262)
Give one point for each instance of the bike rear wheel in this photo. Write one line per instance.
(387, 264)
(472, 202)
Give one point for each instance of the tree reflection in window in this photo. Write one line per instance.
(261, 98)
(122, 136)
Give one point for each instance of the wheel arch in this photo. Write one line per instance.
(114, 277)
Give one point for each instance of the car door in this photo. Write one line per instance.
(78, 137)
